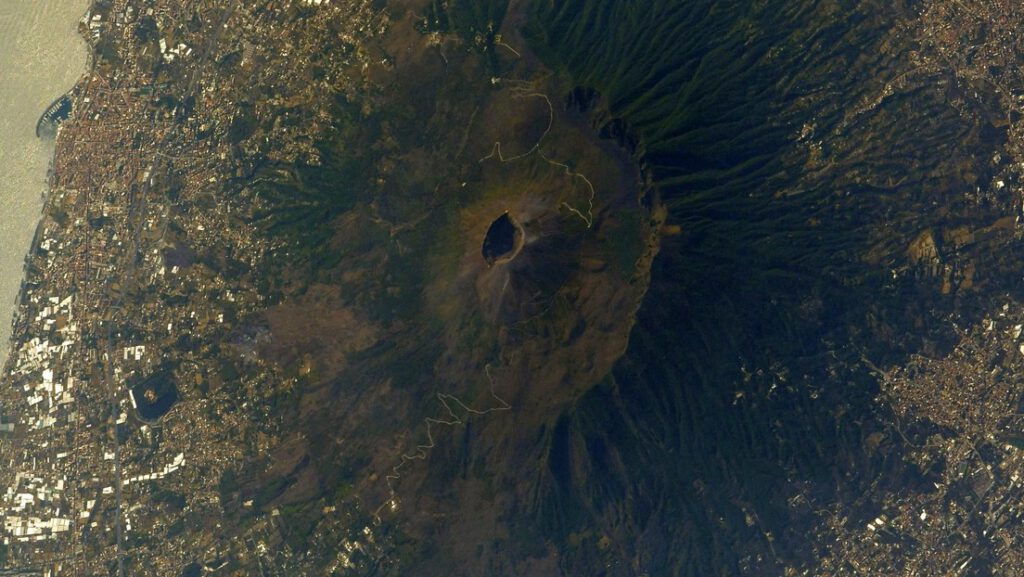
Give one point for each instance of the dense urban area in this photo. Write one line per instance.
(139, 263)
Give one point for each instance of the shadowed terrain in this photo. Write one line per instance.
(618, 273)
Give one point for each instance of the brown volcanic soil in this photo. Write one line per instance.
(317, 332)
(513, 343)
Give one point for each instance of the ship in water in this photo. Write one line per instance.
(55, 114)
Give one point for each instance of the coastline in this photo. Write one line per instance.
(70, 46)
(21, 302)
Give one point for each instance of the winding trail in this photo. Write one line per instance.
(588, 218)
(456, 412)
(450, 403)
